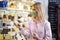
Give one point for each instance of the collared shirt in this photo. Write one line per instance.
(41, 29)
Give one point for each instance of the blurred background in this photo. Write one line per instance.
(17, 11)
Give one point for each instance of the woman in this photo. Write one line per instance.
(38, 27)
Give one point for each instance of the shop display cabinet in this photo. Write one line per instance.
(52, 12)
(54, 18)
(58, 22)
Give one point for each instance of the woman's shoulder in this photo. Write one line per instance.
(45, 22)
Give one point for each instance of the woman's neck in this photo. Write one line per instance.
(37, 21)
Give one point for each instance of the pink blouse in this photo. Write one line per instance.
(42, 30)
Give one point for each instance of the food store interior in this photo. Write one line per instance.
(18, 11)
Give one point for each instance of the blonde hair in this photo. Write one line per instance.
(38, 6)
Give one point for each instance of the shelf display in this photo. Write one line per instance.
(12, 4)
(24, 5)
(22, 9)
(17, 10)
